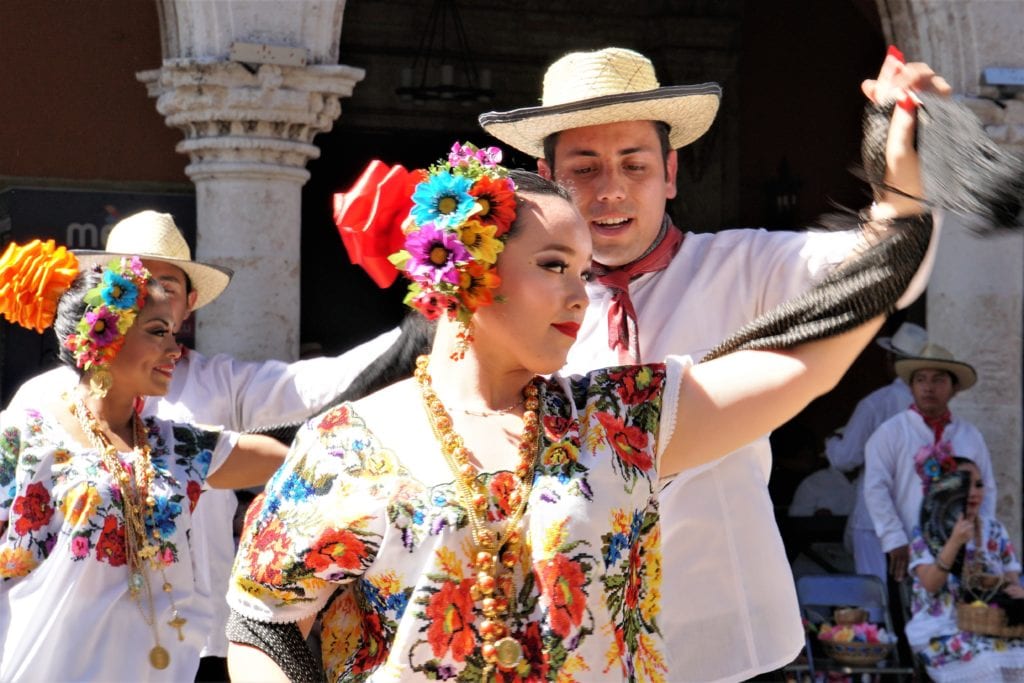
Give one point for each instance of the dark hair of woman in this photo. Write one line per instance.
(70, 309)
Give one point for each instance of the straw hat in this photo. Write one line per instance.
(155, 236)
(935, 357)
(607, 86)
(909, 340)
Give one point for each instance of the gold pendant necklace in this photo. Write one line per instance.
(137, 502)
(497, 553)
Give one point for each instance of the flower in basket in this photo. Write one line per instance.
(854, 633)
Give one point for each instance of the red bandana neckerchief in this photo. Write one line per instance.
(937, 424)
(623, 335)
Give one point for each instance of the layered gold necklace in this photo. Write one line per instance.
(497, 551)
(137, 502)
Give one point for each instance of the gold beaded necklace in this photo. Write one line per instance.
(137, 502)
(497, 552)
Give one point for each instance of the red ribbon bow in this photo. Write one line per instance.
(369, 217)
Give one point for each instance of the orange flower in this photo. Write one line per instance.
(476, 285)
(561, 592)
(32, 279)
(497, 201)
(450, 613)
(16, 562)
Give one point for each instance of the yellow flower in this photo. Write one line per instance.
(573, 664)
(621, 521)
(449, 564)
(554, 537)
(16, 562)
(61, 456)
(480, 241)
(80, 503)
(387, 583)
(650, 604)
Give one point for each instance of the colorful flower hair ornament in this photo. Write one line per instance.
(460, 216)
(112, 306)
(443, 228)
(933, 462)
(33, 277)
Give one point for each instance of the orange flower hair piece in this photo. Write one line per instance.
(32, 279)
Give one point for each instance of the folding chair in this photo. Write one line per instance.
(820, 594)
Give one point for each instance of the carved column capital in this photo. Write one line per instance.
(245, 122)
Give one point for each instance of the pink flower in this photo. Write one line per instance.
(79, 547)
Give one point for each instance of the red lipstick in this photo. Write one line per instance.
(569, 329)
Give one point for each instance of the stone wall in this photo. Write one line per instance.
(976, 296)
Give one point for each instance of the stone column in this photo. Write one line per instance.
(976, 295)
(248, 131)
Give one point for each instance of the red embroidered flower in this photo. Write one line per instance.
(268, 552)
(338, 548)
(374, 648)
(194, 489)
(555, 426)
(636, 384)
(533, 653)
(561, 592)
(34, 509)
(501, 487)
(450, 613)
(629, 443)
(333, 418)
(110, 547)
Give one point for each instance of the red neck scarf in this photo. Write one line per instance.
(937, 424)
(623, 335)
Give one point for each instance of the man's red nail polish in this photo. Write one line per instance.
(894, 51)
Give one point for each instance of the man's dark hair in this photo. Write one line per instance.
(660, 127)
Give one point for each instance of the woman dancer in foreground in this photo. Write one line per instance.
(481, 522)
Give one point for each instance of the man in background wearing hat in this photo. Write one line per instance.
(216, 390)
(608, 132)
(892, 486)
(845, 451)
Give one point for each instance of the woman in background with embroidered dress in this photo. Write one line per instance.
(489, 519)
(944, 574)
(96, 576)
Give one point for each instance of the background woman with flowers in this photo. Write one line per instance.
(488, 519)
(96, 575)
(943, 576)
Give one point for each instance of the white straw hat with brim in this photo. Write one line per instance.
(909, 340)
(607, 86)
(935, 357)
(155, 236)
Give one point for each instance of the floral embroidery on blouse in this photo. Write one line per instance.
(345, 528)
(71, 495)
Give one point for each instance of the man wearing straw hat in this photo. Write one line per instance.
(213, 390)
(896, 457)
(845, 450)
(608, 131)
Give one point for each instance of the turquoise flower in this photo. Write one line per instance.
(118, 291)
(443, 200)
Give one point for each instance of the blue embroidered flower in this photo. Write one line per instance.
(613, 552)
(296, 489)
(165, 511)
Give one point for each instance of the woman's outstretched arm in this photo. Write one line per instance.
(730, 401)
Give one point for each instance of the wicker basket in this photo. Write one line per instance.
(856, 653)
(986, 620)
